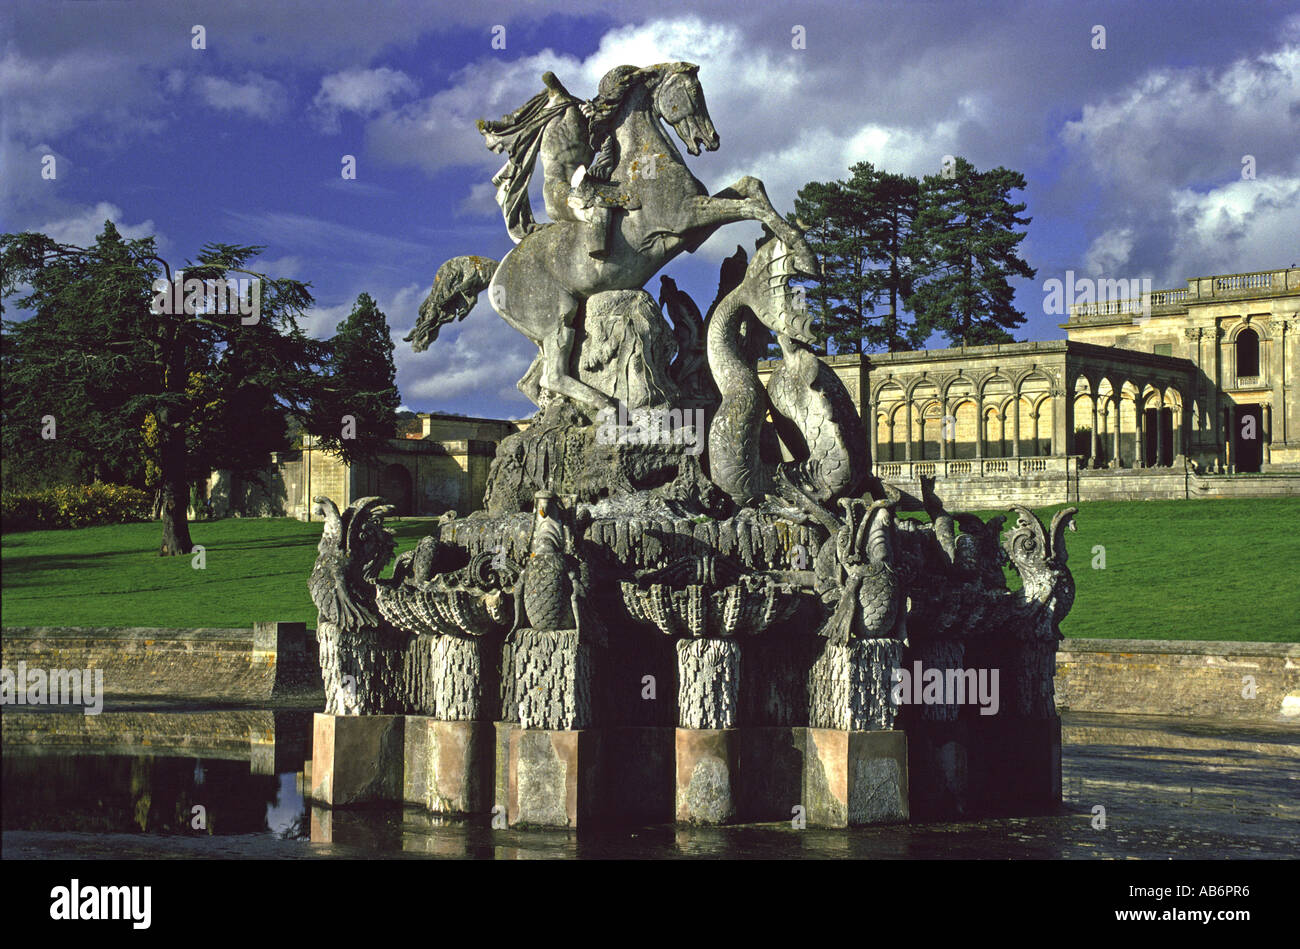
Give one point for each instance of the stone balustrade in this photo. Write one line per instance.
(894, 471)
(1199, 289)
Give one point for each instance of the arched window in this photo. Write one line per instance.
(1247, 353)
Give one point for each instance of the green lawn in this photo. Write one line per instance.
(255, 569)
(1203, 570)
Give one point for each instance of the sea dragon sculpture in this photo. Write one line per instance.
(814, 413)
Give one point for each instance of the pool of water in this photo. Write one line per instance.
(229, 783)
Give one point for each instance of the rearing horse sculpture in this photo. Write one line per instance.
(540, 286)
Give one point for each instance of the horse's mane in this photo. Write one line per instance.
(615, 87)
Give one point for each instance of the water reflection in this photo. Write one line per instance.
(1169, 790)
(179, 773)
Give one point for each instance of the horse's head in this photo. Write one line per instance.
(679, 101)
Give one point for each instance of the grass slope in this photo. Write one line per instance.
(1203, 570)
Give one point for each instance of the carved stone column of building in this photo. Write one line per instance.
(907, 454)
(1103, 414)
(1033, 416)
(1267, 419)
(1160, 433)
(943, 430)
(1092, 456)
(889, 426)
(1015, 447)
(1062, 423)
(1228, 422)
(1002, 434)
(1115, 456)
(979, 429)
(1280, 384)
(873, 429)
(1198, 385)
(1140, 430)
(1214, 396)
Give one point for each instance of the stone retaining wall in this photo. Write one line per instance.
(269, 663)
(1193, 679)
(276, 662)
(1124, 484)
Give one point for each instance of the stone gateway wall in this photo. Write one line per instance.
(268, 663)
(1212, 680)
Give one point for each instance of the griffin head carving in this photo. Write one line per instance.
(1039, 558)
(354, 547)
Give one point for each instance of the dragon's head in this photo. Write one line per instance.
(776, 304)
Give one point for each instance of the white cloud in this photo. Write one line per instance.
(81, 227)
(1166, 152)
(52, 95)
(1110, 253)
(255, 95)
(363, 91)
(1245, 225)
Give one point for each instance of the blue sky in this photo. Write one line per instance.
(1133, 153)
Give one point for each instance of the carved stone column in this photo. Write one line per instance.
(1160, 433)
(1140, 433)
(1015, 448)
(889, 425)
(1285, 325)
(907, 453)
(943, 431)
(873, 425)
(1228, 423)
(1115, 456)
(1214, 395)
(708, 683)
(1267, 434)
(849, 685)
(979, 430)
(707, 746)
(1092, 459)
(1103, 414)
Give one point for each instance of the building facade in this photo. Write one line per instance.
(439, 464)
(1186, 382)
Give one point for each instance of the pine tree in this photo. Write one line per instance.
(887, 204)
(359, 385)
(822, 207)
(966, 248)
(859, 229)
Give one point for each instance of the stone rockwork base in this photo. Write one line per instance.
(854, 777)
(641, 775)
(549, 778)
(760, 774)
(357, 759)
(708, 775)
(449, 765)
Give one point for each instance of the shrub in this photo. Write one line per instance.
(77, 505)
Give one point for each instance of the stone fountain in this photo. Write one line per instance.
(688, 599)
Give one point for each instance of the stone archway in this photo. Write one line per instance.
(395, 487)
(1248, 437)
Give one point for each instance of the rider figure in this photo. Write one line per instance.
(576, 144)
